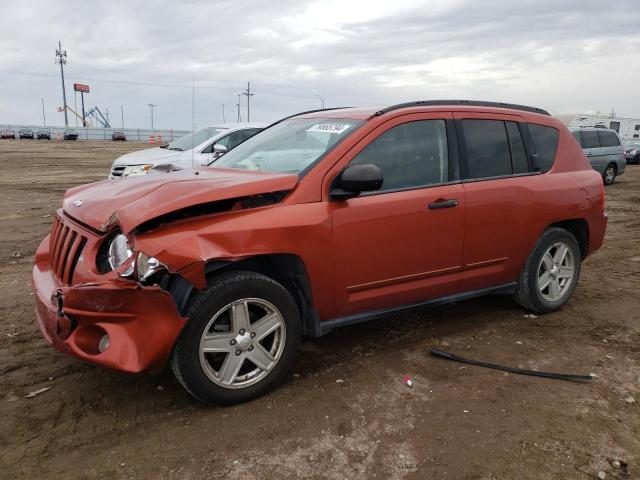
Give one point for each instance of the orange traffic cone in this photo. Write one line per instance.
(151, 139)
(159, 138)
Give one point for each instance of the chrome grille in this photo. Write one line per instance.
(65, 247)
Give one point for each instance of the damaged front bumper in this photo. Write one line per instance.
(142, 322)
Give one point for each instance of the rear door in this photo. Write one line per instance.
(590, 143)
(503, 198)
(611, 148)
(402, 244)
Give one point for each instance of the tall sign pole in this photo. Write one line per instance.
(61, 58)
(249, 95)
(82, 88)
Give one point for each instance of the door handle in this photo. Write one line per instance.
(443, 203)
(589, 154)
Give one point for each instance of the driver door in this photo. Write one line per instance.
(402, 244)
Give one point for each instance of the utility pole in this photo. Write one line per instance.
(238, 105)
(44, 119)
(61, 58)
(321, 101)
(122, 116)
(248, 94)
(75, 106)
(224, 120)
(151, 105)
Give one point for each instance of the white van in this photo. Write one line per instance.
(192, 150)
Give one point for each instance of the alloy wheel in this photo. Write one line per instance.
(556, 272)
(242, 343)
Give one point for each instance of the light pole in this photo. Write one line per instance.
(122, 115)
(44, 119)
(151, 105)
(321, 101)
(61, 58)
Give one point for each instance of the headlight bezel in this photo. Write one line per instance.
(136, 170)
(131, 264)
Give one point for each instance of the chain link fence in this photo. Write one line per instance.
(132, 134)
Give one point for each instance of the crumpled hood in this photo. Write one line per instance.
(138, 199)
(148, 155)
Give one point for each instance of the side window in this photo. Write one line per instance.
(413, 154)
(608, 139)
(545, 141)
(236, 138)
(590, 139)
(577, 135)
(637, 127)
(614, 126)
(516, 145)
(487, 148)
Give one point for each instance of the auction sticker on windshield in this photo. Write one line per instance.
(328, 128)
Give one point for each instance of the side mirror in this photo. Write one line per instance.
(356, 179)
(219, 149)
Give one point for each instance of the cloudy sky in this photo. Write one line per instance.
(567, 56)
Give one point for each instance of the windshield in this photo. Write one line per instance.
(194, 139)
(289, 146)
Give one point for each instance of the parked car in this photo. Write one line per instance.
(70, 134)
(7, 134)
(632, 153)
(25, 133)
(603, 149)
(44, 134)
(192, 150)
(118, 136)
(325, 219)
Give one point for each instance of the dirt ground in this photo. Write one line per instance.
(344, 412)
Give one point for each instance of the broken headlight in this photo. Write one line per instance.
(119, 251)
(146, 266)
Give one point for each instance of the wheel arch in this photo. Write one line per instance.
(285, 268)
(579, 228)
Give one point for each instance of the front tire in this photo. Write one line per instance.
(551, 273)
(609, 174)
(240, 340)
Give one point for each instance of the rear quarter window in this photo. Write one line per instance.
(545, 142)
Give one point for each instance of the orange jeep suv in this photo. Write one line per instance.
(324, 219)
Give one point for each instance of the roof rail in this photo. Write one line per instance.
(471, 103)
(304, 113)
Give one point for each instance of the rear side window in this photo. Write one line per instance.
(590, 139)
(608, 139)
(488, 153)
(545, 143)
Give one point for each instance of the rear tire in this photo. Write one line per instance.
(609, 174)
(551, 273)
(240, 340)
